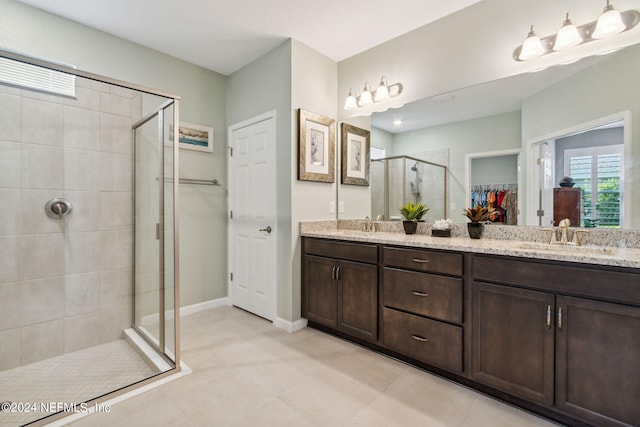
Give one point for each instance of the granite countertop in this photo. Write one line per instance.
(588, 254)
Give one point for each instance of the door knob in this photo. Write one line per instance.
(268, 229)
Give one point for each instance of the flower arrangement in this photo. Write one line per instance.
(413, 212)
(479, 213)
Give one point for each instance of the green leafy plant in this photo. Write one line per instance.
(413, 212)
(479, 213)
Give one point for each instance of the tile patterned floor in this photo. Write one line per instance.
(246, 372)
(69, 378)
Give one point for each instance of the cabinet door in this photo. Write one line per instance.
(358, 299)
(513, 340)
(320, 291)
(598, 361)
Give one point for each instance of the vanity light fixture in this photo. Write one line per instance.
(532, 47)
(382, 93)
(365, 98)
(351, 103)
(368, 97)
(610, 23)
(567, 36)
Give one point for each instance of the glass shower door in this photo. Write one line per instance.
(153, 223)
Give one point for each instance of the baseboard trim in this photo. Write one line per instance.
(279, 322)
(201, 306)
(288, 326)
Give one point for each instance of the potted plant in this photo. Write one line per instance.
(412, 213)
(441, 228)
(477, 215)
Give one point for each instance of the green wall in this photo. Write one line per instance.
(203, 92)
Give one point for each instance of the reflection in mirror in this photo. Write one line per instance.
(397, 180)
(581, 177)
(519, 114)
(493, 181)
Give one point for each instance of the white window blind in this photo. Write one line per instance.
(599, 172)
(29, 76)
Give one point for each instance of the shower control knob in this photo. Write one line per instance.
(58, 208)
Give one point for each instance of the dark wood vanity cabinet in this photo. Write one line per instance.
(558, 338)
(422, 306)
(341, 287)
(577, 354)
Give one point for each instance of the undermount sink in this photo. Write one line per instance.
(597, 250)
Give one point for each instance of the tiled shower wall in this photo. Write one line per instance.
(65, 284)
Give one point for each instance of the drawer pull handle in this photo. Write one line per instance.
(549, 316)
(560, 318)
(420, 294)
(419, 338)
(420, 261)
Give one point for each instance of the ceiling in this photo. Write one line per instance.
(225, 35)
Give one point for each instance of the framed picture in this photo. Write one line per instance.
(195, 137)
(317, 142)
(355, 155)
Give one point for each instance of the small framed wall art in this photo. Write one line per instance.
(317, 142)
(355, 155)
(195, 137)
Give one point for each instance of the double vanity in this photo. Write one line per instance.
(552, 329)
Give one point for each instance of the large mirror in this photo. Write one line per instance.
(521, 135)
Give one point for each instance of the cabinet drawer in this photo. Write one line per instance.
(341, 250)
(575, 280)
(426, 294)
(430, 341)
(424, 260)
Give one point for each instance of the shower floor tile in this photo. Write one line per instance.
(39, 388)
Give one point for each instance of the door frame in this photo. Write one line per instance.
(533, 175)
(269, 115)
(469, 157)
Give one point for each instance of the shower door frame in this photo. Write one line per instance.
(159, 346)
(404, 158)
(172, 99)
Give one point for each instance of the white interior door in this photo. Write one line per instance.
(253, 228)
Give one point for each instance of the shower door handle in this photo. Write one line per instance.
(268, 229)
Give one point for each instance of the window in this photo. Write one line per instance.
(598, 171)
(29, 76)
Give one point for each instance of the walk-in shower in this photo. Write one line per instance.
(397, 180)
(88, 258)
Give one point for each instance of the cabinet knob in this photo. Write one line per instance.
(420, 261)
(419, 338)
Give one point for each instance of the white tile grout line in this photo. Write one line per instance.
(184, 370)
